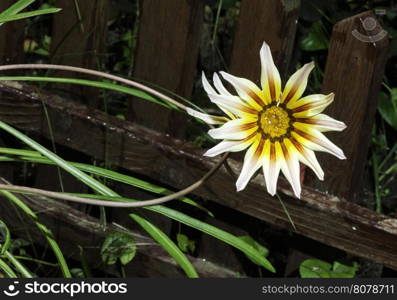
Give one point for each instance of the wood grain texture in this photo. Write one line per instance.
(322, 217)
(166, 55)
(272, 21)
(12, 36)
(354, 73)
(73, 228)
(79, 43)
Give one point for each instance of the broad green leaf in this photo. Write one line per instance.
(315, 268)
(388, 107)
(261, 249)
(77, 273)
(118, 246)
(99, 84)
(342, 271)
(185, 244)
(316, 39)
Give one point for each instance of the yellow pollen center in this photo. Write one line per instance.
(274, 121)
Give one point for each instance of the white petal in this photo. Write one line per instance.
(297, 83)
(247, 90)
(252, 162)
(271, 167)
(230, 146)
(207, 87)
(209, 119)
(307, 157)
(310, 105)
(270, 77)
(233, 104)
(219, 86)
(315, 140)
(234, 130)
(324, 123)
(290, 168)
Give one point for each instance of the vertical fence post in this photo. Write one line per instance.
(273, 21)
(354, 71)
(166, 55)
(78, 39)
(11, 38)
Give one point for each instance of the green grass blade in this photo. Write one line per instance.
(91, 182)
(95, 185)
(220, 234)
(47, 232)
(16, 8)
(7, 270)
(18, 265)
(99, 84)
(28, 15)
(35, 157)
(7, 239)
(167, 244)
(215, 232)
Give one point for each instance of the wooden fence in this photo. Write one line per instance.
(151, 142)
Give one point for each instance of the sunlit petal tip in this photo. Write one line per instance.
(206, 85)
(239, 186)
(209, 153)
(209, 119)
(272, 190)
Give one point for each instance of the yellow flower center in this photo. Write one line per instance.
(274, 121)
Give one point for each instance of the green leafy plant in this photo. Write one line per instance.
(118, 246)
(13, 12)
(315, 268)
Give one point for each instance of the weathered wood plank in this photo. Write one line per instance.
(166, 55)
(322, 217)
(73, 228)
(79, 42)
(12, 36)
(273, 21)
(354, 73)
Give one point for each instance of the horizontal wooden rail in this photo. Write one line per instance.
(73, 228)
(322, 217)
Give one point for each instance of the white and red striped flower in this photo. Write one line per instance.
(278, 128)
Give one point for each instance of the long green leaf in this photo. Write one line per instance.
(99, 188)
(16, 8)
(6, 269)
(47, 232)
(35, 157)
(215, 232)
(167, 244)
(199, 225)
(220, 234)
(28, 15)
(98, 84)
(7, 238)
(18, 265)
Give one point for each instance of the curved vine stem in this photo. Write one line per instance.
(95, 73)
(56, 195)
(144, 203)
